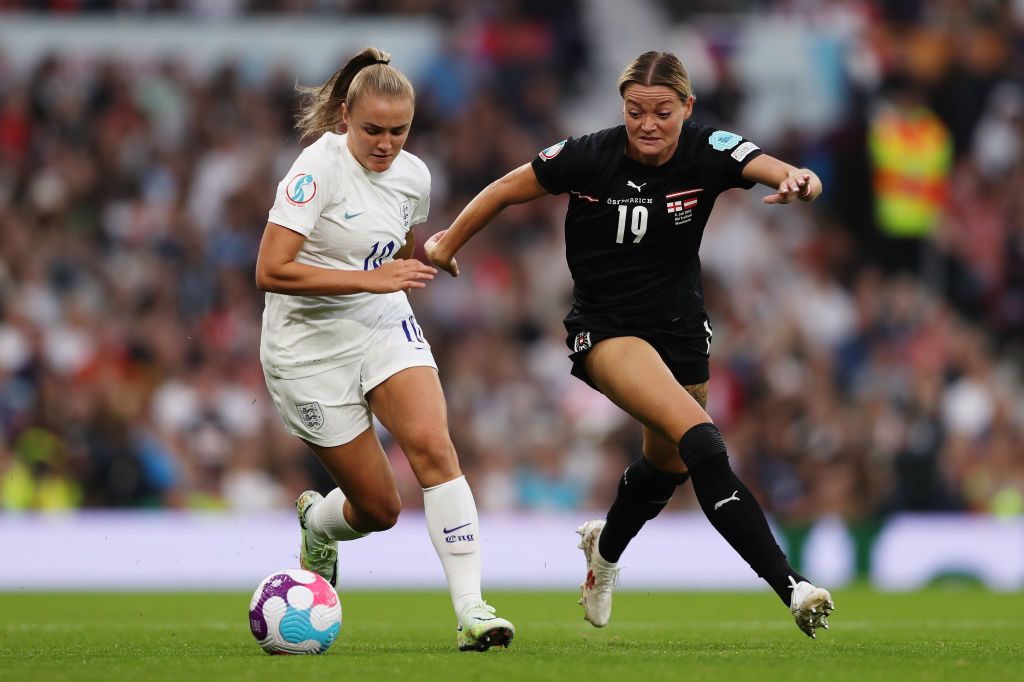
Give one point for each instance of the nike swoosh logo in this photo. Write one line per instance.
(449, 531)
(349, 215)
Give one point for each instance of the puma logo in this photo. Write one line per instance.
(727, 500)
(635, 186)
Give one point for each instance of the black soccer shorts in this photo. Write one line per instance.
(683, 341)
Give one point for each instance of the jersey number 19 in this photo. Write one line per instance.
(638, 224)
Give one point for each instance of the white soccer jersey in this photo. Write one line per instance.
(353, 219)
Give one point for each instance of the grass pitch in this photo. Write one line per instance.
(398, 636)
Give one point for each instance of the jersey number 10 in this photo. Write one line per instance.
(638, 224)
(372, 262)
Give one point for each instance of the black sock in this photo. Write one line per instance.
(732, 510)
(643, 493)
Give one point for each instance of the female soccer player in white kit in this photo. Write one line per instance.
(340, 343)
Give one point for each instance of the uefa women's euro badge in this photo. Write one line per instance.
(301, 189)
(722, 140)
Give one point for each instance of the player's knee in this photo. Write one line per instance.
(432, 451)
(379, 514)
(386, 516)
(701, 444)
(643, 482)
(661, 454)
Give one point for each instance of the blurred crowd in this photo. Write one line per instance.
(859, 367)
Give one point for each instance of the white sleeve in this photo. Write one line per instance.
(303, 193)
(419, 213)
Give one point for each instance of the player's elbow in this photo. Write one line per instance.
(265, 279)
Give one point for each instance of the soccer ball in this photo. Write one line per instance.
(295, 612)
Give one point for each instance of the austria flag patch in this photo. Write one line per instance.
(680, 204)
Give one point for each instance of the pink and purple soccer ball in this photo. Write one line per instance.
(295, 612)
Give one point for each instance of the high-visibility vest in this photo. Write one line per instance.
(911, 156)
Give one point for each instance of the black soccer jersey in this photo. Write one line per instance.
(632, 231)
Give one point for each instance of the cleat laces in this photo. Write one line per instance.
(474, 611)
(603, 579)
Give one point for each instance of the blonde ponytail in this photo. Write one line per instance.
(369, 71)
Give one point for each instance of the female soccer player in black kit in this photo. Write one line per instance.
(639, 197)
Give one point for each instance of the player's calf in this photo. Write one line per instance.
(736, 515)
(643, 492)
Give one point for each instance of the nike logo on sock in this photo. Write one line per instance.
(727, 500)
(449, 531)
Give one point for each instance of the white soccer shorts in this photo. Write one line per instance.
(330, 408)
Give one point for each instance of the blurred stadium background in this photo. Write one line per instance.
(867, 352)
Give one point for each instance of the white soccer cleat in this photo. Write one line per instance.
(602, 577)
(810, 606)
(316, 553)
(479, 629)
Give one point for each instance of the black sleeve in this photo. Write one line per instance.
(558, 167)
(724, 155)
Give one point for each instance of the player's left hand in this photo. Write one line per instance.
(799, 184)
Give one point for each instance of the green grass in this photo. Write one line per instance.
(935, 635)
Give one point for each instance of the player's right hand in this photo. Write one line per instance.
(799, 184)
(432, 248)
(395, 275)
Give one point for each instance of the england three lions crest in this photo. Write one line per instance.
(311, 415)
(406, 208)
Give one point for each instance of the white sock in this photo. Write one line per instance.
(454, 529)
(327, 518)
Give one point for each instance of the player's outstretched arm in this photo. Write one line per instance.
(517, 187)
(277, 271)
(789, 182)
